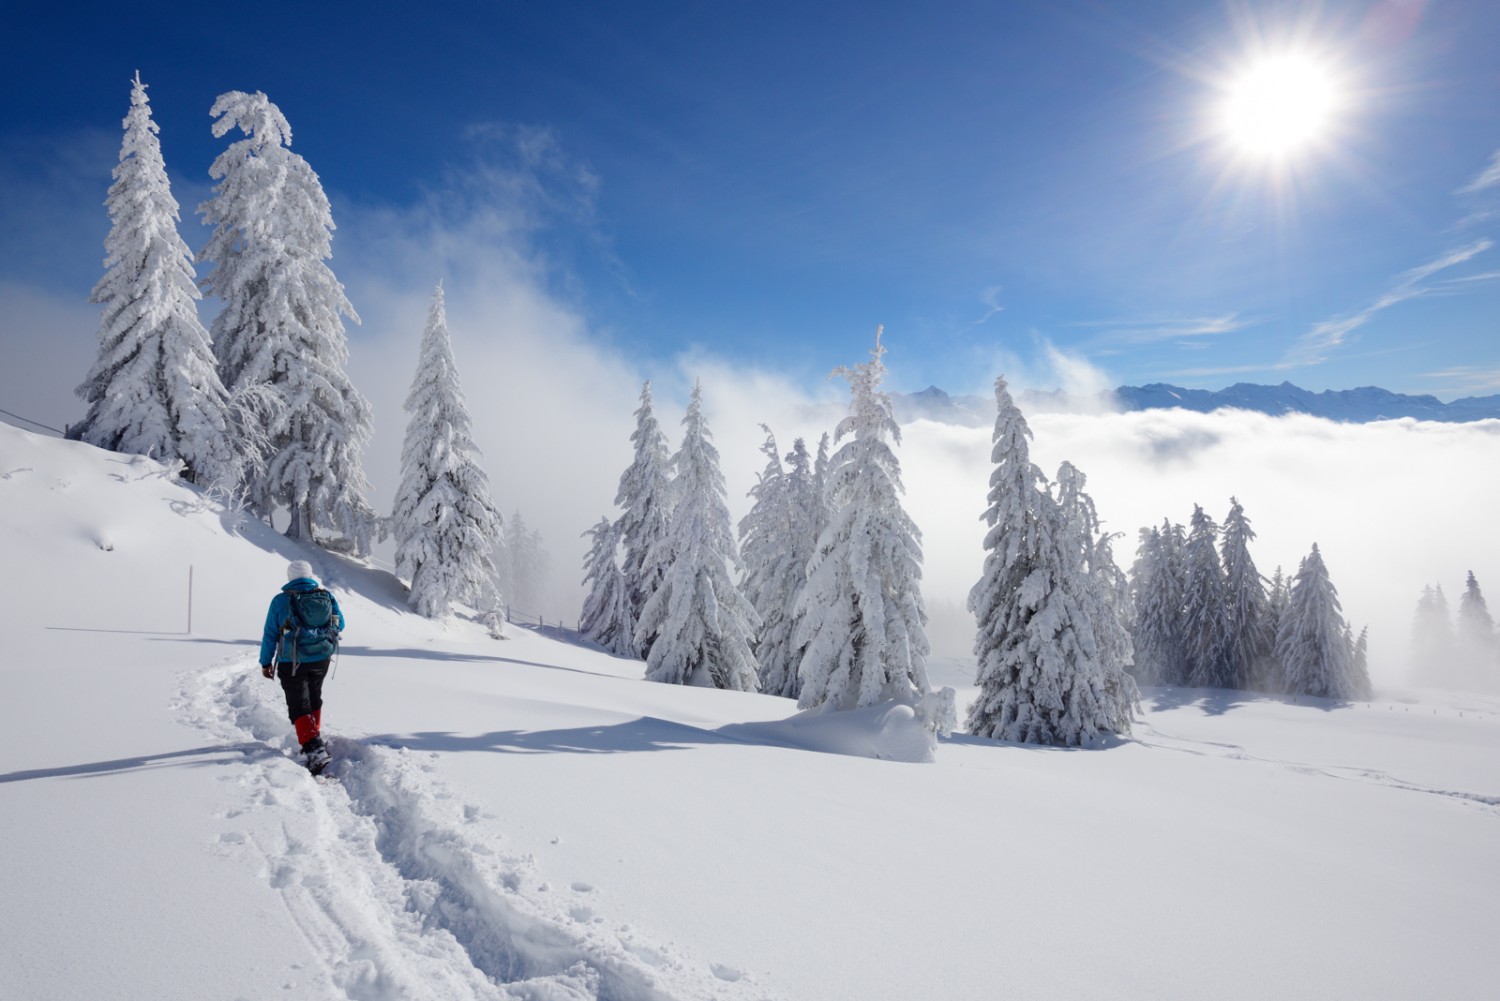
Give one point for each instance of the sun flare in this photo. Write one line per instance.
(1280, 106)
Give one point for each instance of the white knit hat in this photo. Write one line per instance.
(299, 568)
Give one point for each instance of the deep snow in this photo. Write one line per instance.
(530, 819)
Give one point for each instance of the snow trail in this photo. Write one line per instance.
(399, 886)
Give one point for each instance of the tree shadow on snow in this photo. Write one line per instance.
(1212, 701)
(1102, 743)
(1218, 701)
(644, 734)
(194, 757)
(419, 653)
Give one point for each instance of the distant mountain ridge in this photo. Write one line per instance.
(1353, 406)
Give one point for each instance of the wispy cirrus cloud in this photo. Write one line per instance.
(1489, 177)
(1152, 331)
(1328, 335)
(1466, 379)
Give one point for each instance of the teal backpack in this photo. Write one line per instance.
(312, 625)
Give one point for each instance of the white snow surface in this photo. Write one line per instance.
(529, 818)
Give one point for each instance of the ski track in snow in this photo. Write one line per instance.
(1190, 745)
(400, 889)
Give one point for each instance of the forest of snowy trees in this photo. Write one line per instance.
(1206, 618)
(818, 596)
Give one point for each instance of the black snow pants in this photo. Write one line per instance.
(303, 687)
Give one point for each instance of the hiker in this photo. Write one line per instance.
(300, 638)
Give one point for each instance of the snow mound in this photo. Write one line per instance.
(891, 731)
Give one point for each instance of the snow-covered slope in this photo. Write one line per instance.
(529, 819)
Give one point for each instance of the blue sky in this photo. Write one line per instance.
(1039, 186)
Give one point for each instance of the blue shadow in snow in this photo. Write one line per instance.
(645, 734)
(194, 757)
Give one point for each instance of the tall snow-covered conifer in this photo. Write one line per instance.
(1249, 638)
(1044, 677)
(606, 617)
(860, 618)
(1203, 608)
(1159, 585)
(153, 389)
(1313, 644)
(444, 522)
(1476, 636)
(281, 324)
(703, 625)
(645, 502)
(777, 540)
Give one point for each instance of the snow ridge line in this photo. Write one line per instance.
(397, 898)
(1351, 773)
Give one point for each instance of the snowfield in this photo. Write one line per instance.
(530, 819)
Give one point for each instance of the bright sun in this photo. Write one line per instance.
(1280, 106)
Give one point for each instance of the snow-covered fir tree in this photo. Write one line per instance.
(1359, 663)
(1159, 589)
(1045, 676)
(1249, 633)
(606, 617)
(524, 568)
(860, 618)
(1157, 600)
(445, 523)
(777, 540)
(703, 625)
(1476, 636)
(1204, 603)
(1434, 647)
(153, 389)
(1274, 677)
(1112, 620)
(281, 324)
(820, 486)
(645, 502)
(1313, 644)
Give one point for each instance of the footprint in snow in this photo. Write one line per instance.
(583, 888)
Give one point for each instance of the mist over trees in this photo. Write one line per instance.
(1206, 618)
(1448, 655)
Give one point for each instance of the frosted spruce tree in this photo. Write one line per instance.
(444, 522)
(1113, 615)
(777, 540)
(153, 389)
(1434, 647)
(1046, 675)
(703, 625)
(1249, 636)
(1273, 679)
(645, 502)
(606, 617)
(1476, 636)
(281, 327)
(1313, 645)
(820, 487)
(1159, 587)
(1203, 607)
(860, 617)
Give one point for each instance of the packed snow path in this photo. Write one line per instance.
(403, 890)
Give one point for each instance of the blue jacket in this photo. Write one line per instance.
(280, 610)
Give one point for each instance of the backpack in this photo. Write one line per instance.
(313, 625)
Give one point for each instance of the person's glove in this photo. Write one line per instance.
(267, 671)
